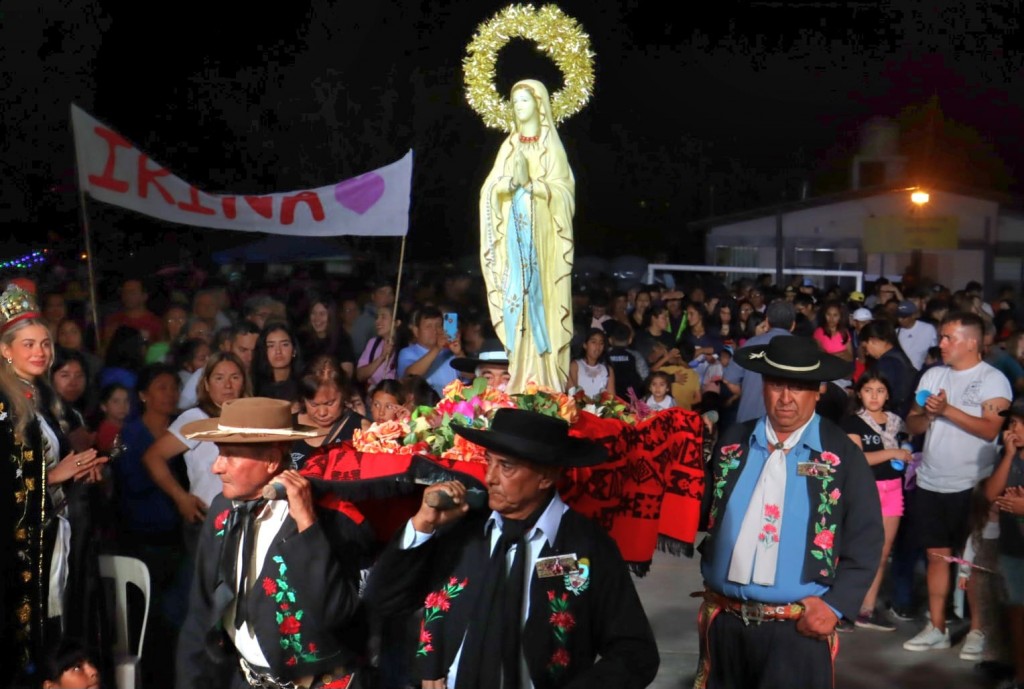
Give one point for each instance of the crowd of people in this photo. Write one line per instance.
(110, 449)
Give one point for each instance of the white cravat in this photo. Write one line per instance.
(756, 553)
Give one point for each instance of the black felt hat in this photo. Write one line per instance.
(537, 438)
(794, 358)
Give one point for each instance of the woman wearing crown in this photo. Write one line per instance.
(526, 247)
(35, 536)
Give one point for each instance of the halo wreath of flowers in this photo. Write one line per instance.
(556, 34)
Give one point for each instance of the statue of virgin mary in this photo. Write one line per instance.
(526, 247)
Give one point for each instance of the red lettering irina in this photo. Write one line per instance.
(193, 205)
(309, 198)
(107, 179)
(147, 177)
(263, 205)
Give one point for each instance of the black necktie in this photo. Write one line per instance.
(240, 537)
(488, 638)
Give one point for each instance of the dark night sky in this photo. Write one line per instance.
(736, 108)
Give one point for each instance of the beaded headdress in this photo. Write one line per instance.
(16, 305)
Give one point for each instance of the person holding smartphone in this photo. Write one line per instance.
(431, 352)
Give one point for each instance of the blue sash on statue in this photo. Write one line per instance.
(522, 286)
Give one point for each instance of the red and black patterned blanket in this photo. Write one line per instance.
(648, 494)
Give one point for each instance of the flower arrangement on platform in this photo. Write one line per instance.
(470, 406)
(606, 406)
(430, 430)
(544, 400)
(386, 437)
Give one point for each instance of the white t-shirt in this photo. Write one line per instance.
(190, 389)
(199, 458)
(655, 405)
(954, 460)
(916, 340)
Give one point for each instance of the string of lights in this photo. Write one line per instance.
(25, 262)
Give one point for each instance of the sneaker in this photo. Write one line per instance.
(875, 620)
(844, 625)
(974, 645)
(928, 639)
(901, 614)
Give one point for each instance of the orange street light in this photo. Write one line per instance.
(919, 197)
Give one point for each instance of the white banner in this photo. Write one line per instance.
(111, 169)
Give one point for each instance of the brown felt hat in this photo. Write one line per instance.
(251, 420)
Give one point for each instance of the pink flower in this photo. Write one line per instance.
(830, 458)
(770, 528)
(551, 595)
(563, 620)
(465, 409)
(824, 540)
(438, 600)
(425, 636)
(221, 518)
(269, 586)
(452, 581)
(729, 449)
(772, 512)
(834, 495)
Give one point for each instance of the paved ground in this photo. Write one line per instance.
(867, 659)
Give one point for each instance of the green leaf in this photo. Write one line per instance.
(279, 617)
(278, 596)
(282, 569)
(817, 554)
(479, 387)
(284, 642)
(291, 597)
(298, 615)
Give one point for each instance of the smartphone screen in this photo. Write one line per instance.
(451, 325)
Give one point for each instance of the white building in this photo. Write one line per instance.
(955, 237)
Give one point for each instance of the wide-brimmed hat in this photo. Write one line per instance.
(795, 358)
(251, 420)
(537, 438)
(492, 352)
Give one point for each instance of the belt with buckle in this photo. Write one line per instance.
(261, 678)
(753, 612)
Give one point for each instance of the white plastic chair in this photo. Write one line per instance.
(124, 571)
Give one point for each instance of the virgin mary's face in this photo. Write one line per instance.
(523, 104)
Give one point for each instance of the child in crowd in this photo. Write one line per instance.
(1005, 487)
(982, 582)
(590, 373)
(625, 364)
(658, 385)
(70, 666)
(115, 403)
(386, 402)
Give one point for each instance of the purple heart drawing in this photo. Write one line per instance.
(360, 193)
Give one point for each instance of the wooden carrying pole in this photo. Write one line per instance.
(398, 287)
